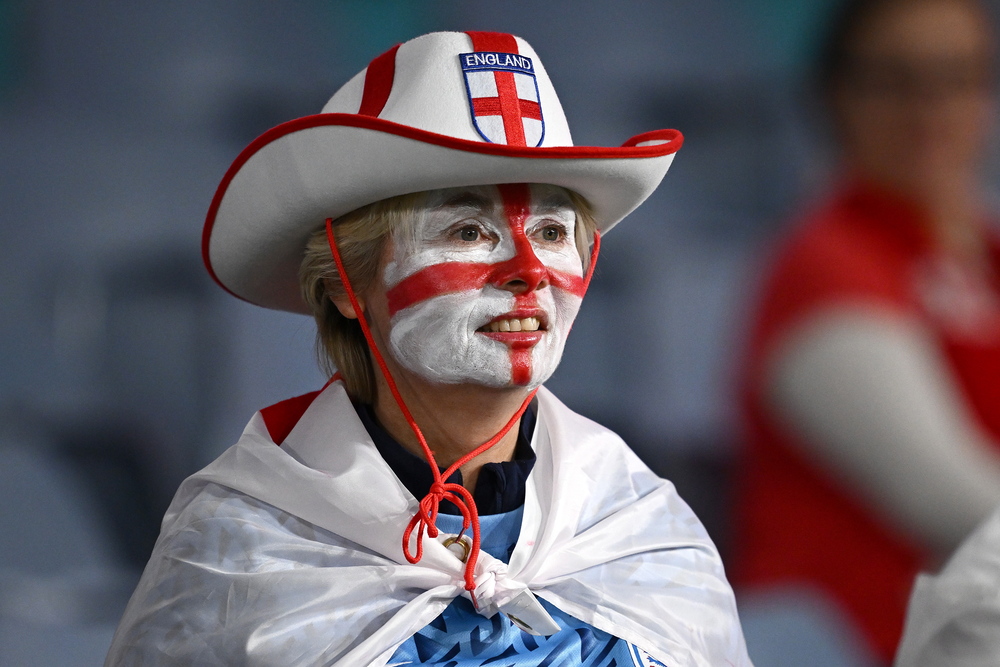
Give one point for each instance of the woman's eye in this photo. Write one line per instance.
(469, 234)
(552, 234)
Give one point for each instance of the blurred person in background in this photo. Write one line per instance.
(872, 386)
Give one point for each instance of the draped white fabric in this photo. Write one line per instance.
(954, 617)
(292, 555)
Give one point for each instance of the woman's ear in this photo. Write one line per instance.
(343, 304)
(342, 301)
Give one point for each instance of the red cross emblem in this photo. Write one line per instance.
(503, 98)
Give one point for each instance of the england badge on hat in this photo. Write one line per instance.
(503, 98)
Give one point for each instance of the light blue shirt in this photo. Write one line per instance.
(460, 637)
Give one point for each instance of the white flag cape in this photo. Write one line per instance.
(292, 555)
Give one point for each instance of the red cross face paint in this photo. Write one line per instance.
(485, 286)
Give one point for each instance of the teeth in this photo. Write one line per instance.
(527, 324)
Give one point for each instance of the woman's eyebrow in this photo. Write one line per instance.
(554, 203)
(467, 200)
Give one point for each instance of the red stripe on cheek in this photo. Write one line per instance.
(451, 277)
(569, 282)
(435, 280)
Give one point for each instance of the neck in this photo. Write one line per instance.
(956, 228)
(952, 216)
(953, 221)
(454, 419)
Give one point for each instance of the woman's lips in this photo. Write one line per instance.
(517, 329)
(515, 339)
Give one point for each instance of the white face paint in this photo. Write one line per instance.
(486, 286)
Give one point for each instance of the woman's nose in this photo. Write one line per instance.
(522, 273)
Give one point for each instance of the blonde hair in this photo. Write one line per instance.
(361, 237)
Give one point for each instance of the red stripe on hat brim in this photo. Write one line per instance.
(672, 140)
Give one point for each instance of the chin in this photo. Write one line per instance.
(481, 363)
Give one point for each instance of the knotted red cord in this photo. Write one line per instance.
(426, 517)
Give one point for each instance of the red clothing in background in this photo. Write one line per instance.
(796, 524)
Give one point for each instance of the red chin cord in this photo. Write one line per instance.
(425, 520)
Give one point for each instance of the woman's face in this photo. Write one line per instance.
(915, 104)
(483, 287)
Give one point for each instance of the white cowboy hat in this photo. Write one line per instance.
(446, 109)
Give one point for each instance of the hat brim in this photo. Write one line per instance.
(286, 183)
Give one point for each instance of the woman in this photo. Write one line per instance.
(873, 380)
(444, 302)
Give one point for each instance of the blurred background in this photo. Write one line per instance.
(124, 368)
